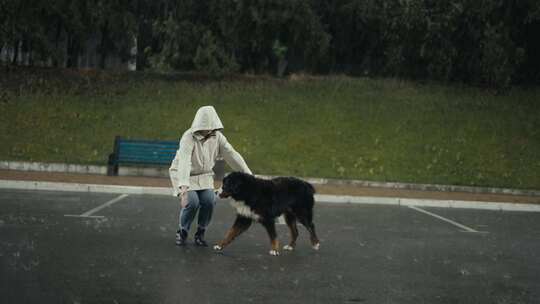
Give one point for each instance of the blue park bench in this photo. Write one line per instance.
(148, 153)
(141, 152)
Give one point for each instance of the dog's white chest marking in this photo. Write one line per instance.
(244, 210)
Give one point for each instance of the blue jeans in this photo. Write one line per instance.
(202, 200)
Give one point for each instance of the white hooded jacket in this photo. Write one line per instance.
(196, 155)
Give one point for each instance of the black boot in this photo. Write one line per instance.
(181, 237)
(199, 238)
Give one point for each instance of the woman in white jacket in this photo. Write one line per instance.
(191, 171)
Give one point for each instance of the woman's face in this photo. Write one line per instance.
(206, 133)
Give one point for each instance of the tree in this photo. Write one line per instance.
(117, 25)
(212, 58)
(179, 29)
(250, 29)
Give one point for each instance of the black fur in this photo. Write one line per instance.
(268, 199)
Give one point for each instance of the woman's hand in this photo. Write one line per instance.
(183, 196)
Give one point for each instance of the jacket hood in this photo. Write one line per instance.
(206, 118)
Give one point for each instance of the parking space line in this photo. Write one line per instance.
(467, 229)
(98, 208)
(90, 216)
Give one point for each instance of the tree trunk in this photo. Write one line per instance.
(69, 62)
(15, 52)
(25, 50)
(57, 43)
(144, 33)
(73, 52)
(30, 55)
(281, 67)
(104, 45)
(140, 60)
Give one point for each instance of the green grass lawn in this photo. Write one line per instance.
(336, 127)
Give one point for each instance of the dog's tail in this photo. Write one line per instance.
(309, 193)
(310, 189)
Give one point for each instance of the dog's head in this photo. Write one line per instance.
(235, 185)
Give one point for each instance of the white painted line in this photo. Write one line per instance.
(107, 204)
(467, 229)
(82, 216)
(88, 214)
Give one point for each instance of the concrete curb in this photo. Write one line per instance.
(75, 187)
(164, 172)
(83, 169)
(424, 187)
(333, 199)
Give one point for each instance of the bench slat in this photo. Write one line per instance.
(148, 146)
(145, 156)
(146, 141)
(146, 161)
(145, 151)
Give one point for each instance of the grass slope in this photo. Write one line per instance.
(337, 127)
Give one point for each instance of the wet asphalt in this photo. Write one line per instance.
(369, 254)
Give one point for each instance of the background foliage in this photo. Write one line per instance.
(483, 42)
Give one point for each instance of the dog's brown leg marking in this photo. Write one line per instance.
(240, 225)
(271, 229)
(229, 237)
(290, 219)
(275, 244)
(313, 236)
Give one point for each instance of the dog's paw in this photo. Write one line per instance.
(317, 246)
(274, 252)
(288, 247)
(218, 247)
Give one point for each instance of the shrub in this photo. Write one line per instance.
(212, 58)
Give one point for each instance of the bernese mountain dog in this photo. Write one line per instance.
(263, 201)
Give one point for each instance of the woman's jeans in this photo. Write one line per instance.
(202, 200)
